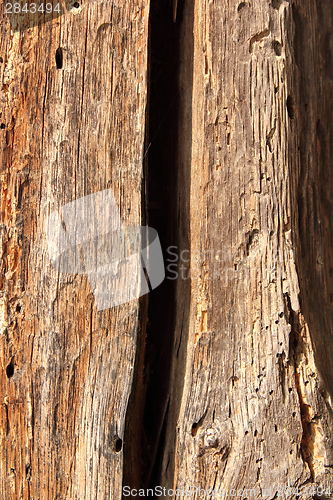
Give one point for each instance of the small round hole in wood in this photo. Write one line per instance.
(118, 445)
(10, 370)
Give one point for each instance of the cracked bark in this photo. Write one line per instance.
(224, 375)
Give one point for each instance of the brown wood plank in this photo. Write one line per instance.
(68, 133)
(249, 408)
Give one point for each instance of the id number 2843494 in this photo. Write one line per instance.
(16, 8)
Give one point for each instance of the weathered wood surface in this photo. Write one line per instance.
(249, 403)
(251, 409)
(67, 133)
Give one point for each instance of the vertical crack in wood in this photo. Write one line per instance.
(147, 413)
(298, 347)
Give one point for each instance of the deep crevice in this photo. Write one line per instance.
(147, 413)
(310, 160)
(297, 348)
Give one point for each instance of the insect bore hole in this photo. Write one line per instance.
(277, 46)
(194, 429)
(118, 445)
(59, 58)
(10, 370)
(291, 107)
(241, 6)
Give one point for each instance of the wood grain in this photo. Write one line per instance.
(254, 410)
(68, 133)
(247, 403)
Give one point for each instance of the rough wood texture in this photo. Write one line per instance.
(246, 191)
(255, 410)
(68, 133)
